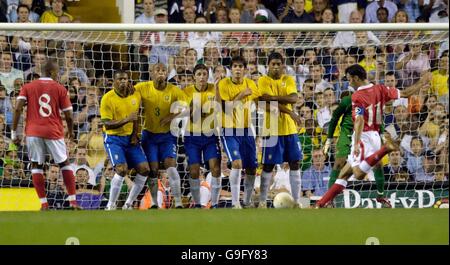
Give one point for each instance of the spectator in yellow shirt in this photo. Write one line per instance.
(439, 80)
(52, 16)
(369, 62)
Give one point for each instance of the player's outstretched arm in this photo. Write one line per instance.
(17, 113)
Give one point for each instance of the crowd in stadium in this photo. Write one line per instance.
(420, 123)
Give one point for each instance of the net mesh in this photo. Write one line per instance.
(317, 60)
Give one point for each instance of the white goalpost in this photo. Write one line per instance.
(316, 55)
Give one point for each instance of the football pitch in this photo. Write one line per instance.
(228, 227)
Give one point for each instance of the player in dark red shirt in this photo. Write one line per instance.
(367, 113)
(45, 99)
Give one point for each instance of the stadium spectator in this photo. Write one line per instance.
(162, 53)
(56, 193)
(305, 138)
(38, 60)
(412, 64)
(439, 81)
(422, 165)
(383, 15)
(81, 60)
(148, 16)
(70, 69)
(198, 40)
(57, 10)
(369, 62)
(400, 17)
(93, 141)
(250, 12)
(217, 12)
(318, 6)
(341, 83)
(23, 14)
(302, 65)
(90, 108)
(176, 9)
(396, 170)
(372, 8)
(316, 72)
(344, 8)
(322, 113)
(348, 39)
(315, 178)
(438, 11)
(88, 197)
(5, 104)
(411, 7)
(327, 16)
(8, 74)
(298, 14)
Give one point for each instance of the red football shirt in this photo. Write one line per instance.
(369, 101)
(45, 100)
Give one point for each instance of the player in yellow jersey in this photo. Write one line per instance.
(280, 142)
(159, 139)
(237, 94)
(200, 141)
(118, 110)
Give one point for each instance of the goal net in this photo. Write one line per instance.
(416, 176)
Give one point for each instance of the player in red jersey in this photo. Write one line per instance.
(44, 130)
(367, 113)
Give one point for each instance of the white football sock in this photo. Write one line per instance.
(114, 191)
(175, 185)
(216, 186)
(139, 182)
(294, 179)
(235, 184)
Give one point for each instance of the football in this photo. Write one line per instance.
(283, 200)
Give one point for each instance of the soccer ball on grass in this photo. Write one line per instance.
(283, 200)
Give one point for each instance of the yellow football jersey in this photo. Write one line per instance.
(439, 83)
(239, 116)
(114, 107)
(282, 87)
(204, 100)
(157, 104)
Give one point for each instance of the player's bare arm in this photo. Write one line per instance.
(115, 124)
(283, 109)
(289, 99)
(68, 115)
(17, 113)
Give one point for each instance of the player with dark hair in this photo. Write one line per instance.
(119, 110)
(201, 141)
(367, 112)
(343, 145)
(44, 130)
(280, 142)
(237, 94)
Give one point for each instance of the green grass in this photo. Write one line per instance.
(225, 226)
